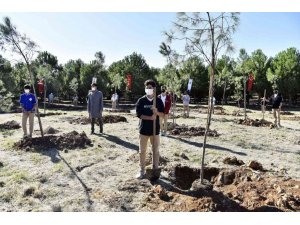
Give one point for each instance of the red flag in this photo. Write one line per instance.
(129, 81)
(41, 86)
(250, 82)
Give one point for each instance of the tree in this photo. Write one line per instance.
(5, 98)
(243, 67)
(21, 45)
(194, 68)
(284, 73)
(224, 77)
(259, 64)
(205, 34)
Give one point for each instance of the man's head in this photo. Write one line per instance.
(27, 88)
(94, 86)
(149, 86)
(185, 93)
(275, 92)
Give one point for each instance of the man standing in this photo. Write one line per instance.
(148, 114)
(276, 107)
(114, 99)
(166, 99)
(28, 104)
(186, 101)
(51, 98)
(95, 107)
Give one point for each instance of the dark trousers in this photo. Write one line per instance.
(100, 122)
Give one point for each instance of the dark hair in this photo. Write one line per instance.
(276, 92)
(93, 85)
(150, 82)
(27, 86)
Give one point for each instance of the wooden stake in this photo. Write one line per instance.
(154, 125)
(264, 103)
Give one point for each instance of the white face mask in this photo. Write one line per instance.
(93, 89)
(148, 91)
(27, 91)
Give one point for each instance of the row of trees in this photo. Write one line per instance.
(74, 78)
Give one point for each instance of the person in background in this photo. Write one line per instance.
(148, 113)
(114, 100)
(75, 100)
(166, 99)
(213, 103)
(276, 107)
(186, 101)
(51, 98)
(95, 107)
(28, 104)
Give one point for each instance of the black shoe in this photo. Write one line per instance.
(92, 132)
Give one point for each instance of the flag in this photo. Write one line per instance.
(94, 81)
(190, 84)
(41, 86)
(250, 82)
(129, 81)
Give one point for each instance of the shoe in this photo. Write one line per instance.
(140, 175)
(92, 132)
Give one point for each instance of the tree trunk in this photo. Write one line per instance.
(208, 120)
(245, 114)
(264, 104)
(224, 90)
(37, 104)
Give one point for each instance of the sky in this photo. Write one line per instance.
(80, 35)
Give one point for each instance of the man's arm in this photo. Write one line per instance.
(101, 101)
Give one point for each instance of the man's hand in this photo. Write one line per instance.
(154, 110)
(153, 117)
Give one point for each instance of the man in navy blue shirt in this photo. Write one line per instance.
(148, 113)
(28, 104)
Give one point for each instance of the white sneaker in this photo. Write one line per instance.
(140, 175)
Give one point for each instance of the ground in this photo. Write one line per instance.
(101, 175)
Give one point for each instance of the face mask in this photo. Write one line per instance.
(149, 91)
(27, 91)
(93, 89)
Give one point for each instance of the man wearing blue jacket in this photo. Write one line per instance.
(28, 104)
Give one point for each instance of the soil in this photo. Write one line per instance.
(10, 125)
(255, 123)
(51, 114)
(193, 131)
(105, 119)
(70, 140)
(234, 190)
(43, 174)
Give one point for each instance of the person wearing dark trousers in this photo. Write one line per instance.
(95, 107)
(148, 114)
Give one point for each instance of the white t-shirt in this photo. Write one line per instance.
(214, 100)
(163, 98)
(114, 97)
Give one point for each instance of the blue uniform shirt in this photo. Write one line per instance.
(27, 101)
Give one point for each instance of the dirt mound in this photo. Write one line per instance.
(10, 125)
(113, 119)
(105, 119)
(233, 161)
(51, 114)
(70, 140)
(286, 113)
(118, 110)
(50, 130)
(255, 123)
(234, 190)
(193, 131)
(293, 118)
